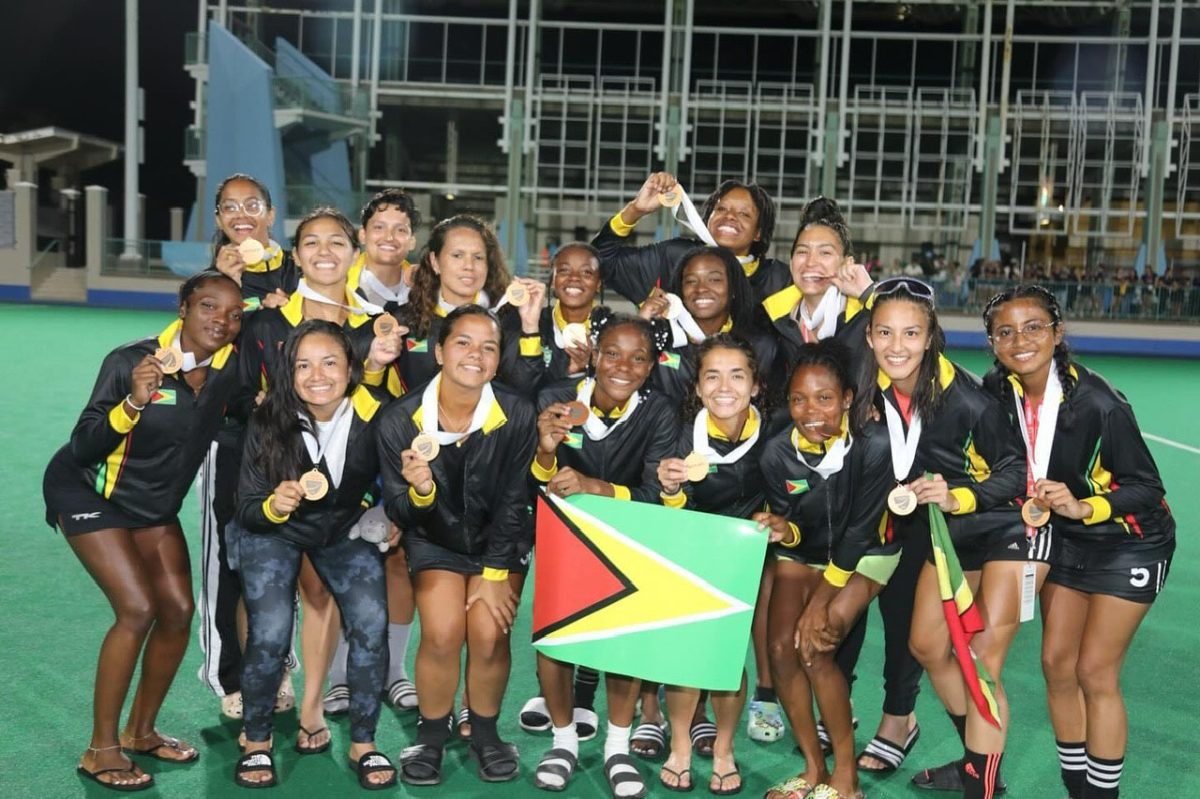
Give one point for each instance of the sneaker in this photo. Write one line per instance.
(766, 721)
(231, 705)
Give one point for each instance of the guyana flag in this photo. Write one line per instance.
(962, 616)
(645, 590)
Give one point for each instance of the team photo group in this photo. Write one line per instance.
(376, 413)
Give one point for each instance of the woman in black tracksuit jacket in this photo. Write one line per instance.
(463, 516)
(317, 422)
(1113, 531)
(115, 492)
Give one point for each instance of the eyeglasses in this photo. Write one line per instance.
(917, 288)
(1031, 331)
(250, 207)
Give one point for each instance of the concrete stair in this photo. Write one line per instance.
(59, 284)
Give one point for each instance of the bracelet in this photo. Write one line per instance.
(134, 405)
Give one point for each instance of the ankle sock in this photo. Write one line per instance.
(616, 742)
(566, 738)
(979, 774)
(586, 681)
(434, 732)
(763, 693)
(1103, 777)
(397, 651)
(483, 728)
(1072, 764)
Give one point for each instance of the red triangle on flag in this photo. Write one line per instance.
(593, 581)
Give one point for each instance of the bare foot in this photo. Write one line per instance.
(676, 772)
(258, 774)
(725, 775)
(381, 777)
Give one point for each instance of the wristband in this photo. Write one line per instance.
(134, 405)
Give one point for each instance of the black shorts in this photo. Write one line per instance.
(1011, 544)
(1136, 574)
(424, 555)
(76, 508)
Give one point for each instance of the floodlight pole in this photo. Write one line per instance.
(132, 133)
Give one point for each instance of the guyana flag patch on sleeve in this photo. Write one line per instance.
(796, 486)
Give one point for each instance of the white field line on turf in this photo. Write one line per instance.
(1170, 443)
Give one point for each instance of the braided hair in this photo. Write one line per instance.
(762, 201)
(1062, 355)
(604, 320)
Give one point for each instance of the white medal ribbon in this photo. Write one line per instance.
(1038, 455)
(692, 221)
(480, 299)
(560, 340)
(189, 359)
(596, 429)
(335, 432)
(429, 412)
(363, 306)
(685, 329)
(823, 322)
(832, 462)
(904, 448)
(370, 284)
(700, 442)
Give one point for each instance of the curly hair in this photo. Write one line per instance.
(762, 201)
(422, 300)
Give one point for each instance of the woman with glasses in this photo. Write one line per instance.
(244, 251)
(242, 245)
(1094, 481)
(951, 447)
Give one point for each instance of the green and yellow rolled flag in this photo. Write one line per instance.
(962, 616)
(644, 590)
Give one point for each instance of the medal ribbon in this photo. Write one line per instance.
(596, 429)
(368, 280)
(904, 447)
(692, 221)
(189, 359)
(336, 433)
(1037, 431)
(481, 298)
(835, 455)
(701, 444)
(429, 412)
(363, 306)
(685, 329)
(822, 323)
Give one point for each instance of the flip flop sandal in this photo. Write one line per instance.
(826, 741)
(308, 736)
(371, 763)
(557, 764)
(948, 777)
(421, 764)
(704, 735)
(678, 787)
(535, 716)
(402, 695)
(792, 788)
(721, 790)
(498, 762)
(621, 770)
(463, 720)
(164, 742)
(586, 723)
(890, 753)
(649, 740)
(336, 700)
(824, 791)
(255, 761)
(94, 776)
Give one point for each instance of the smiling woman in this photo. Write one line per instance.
(115, 492)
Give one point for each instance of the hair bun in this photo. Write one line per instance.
(821, 209)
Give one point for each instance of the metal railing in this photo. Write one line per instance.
(1165, 301)
(315, 95)
(134, 258)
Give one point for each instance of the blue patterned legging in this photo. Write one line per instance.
(354, 574)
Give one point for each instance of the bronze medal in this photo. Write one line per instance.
(577, 413)
(314, 484)
(252, 250)
(1034, 514)
(674, 306)
(426, 447)
(575, 335)
(516, 294)
(169, 358)
(670, 199)
(901, 500)
(384, 325)
(697, 467)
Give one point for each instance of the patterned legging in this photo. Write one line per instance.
(354, 574)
